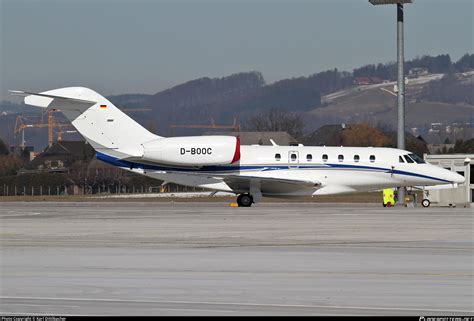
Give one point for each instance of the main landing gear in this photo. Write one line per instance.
(245, 200)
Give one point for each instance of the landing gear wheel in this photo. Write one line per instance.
(245, 200)
(425, 203)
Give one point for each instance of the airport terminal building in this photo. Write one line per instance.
(463, 195)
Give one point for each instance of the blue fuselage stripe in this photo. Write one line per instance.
(233, 168)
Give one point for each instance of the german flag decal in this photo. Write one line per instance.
(103, 106)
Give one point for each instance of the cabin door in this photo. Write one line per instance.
(293, 159)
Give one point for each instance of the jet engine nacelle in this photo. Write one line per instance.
(193, 150)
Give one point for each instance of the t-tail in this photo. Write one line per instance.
(116, 136)
(103, 125)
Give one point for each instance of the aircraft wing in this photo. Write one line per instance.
(268, 185)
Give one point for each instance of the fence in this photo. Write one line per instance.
(13, 190)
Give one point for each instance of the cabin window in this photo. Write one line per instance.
(325, 158)
(309, 157)
(340, 158)
(356, 158)
(416, 158)
(277, 157)
(408, 159)
(372, 158)
(293, 157)
(400, 159)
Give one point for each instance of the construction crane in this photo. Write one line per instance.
(235, 126)
(21, 125)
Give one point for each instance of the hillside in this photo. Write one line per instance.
(241, 96)
(198, 100)
(129, 101)
(438, 91)
(377, 104)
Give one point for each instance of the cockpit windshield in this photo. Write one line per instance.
(408, 159)
(417, 158)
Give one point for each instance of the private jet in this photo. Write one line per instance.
(221, 163)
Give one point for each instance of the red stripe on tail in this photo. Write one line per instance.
(237, 151)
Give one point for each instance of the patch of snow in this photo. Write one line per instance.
(411, 81)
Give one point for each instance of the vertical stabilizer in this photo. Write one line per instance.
(103, 125)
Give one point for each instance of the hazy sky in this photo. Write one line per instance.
(146, 46)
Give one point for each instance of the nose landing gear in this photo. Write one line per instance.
(425, 203)
(245, 200)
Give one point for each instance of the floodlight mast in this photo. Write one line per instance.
(400, 79)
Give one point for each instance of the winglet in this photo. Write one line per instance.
(273, 142)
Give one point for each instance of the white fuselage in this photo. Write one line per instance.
(359, 169)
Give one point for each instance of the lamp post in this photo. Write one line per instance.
(400, 79)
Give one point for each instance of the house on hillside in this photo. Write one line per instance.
(61, 155)
(439, 148)
(417, 72)
(260, 138)
(376, 80)
(359, 81)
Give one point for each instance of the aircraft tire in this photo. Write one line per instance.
(425, 202)
(245, 200)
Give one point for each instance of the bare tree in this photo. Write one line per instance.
(151, 126)
(278, 120)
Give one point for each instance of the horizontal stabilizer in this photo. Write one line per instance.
(44, 100)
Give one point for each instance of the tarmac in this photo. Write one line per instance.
(132, 258)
